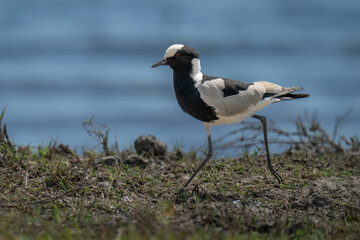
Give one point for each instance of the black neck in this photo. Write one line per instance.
(189, 98)
(183, 83)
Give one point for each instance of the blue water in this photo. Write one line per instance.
(62, 62)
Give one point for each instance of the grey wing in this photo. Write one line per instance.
(230, 97)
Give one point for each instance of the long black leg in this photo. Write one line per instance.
(208, 156)
(272, 170)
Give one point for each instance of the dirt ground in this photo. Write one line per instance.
(53, 193)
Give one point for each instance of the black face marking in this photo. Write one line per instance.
(181, 62)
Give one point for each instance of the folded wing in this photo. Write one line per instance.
(230, 97)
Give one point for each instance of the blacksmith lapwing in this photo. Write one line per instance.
(217, 100)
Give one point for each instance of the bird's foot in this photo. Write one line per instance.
(181, 196)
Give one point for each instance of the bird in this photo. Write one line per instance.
(217, 100)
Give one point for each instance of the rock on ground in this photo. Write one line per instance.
(150, 146)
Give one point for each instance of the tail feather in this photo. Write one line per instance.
(295, 95)
(286, 93)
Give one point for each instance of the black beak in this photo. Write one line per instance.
(162, 62)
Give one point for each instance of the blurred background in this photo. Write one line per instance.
(62, 62)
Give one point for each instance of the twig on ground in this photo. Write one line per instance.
(99, 132)
(309, 136)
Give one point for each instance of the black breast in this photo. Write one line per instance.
(189, 99)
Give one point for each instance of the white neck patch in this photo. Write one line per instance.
(196, 73)
(172, 50)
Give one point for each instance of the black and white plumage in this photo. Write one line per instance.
(216, 100)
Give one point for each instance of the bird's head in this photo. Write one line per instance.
(178, 56)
